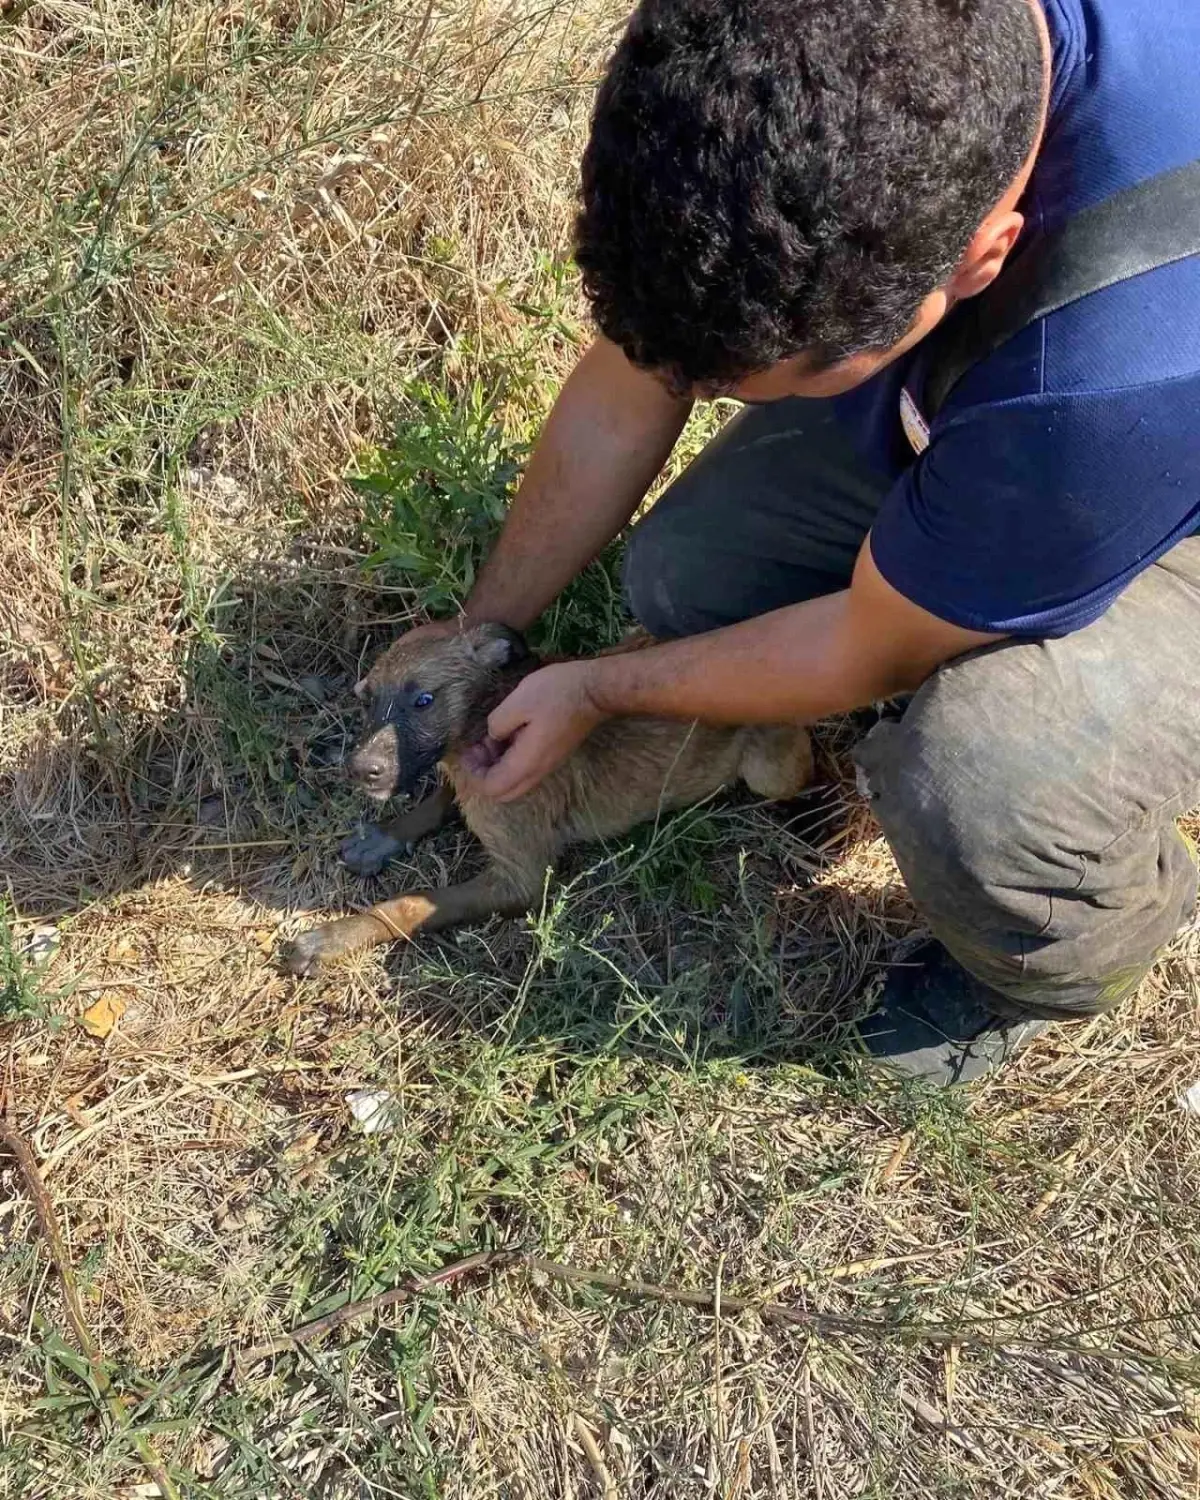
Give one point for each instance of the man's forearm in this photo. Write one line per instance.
(799, 664)
(611, 431)
(795, 665)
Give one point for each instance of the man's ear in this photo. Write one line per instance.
(497, 646)
(986, 254)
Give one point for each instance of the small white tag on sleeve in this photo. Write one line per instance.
(916, 428)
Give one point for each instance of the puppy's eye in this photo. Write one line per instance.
(422, 700)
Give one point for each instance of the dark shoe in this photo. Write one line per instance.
(937, 1022)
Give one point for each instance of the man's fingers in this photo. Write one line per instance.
(514, 794)
(515, 773)
(504, 720)
(480, 758)
(540, 722)
(505, 785)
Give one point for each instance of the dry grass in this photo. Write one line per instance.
(233, 237)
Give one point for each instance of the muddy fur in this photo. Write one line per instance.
(428, 700)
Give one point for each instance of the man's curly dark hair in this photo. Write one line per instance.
(771, 177)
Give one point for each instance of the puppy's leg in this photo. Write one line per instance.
(494, 892)
(369, 849)
(777, 760)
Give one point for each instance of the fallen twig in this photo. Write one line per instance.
(587, 1441)
(353, 1312)
(940, 1335)
(18, 1148)
(705, 1301)
(936, 1421)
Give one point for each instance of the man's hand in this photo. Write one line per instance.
(547, 716)
(793, 666)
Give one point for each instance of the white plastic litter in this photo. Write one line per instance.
(374, 1109)
(42, 944)
(1191, 1100)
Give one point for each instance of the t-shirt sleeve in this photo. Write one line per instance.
(1028, 517)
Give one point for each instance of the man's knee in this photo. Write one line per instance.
(663, 578)
(952, 798)
(1012, 849)
(971, 875)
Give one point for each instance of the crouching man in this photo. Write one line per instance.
(944, 252)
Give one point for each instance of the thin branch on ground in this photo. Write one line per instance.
(18, 1148)
(495, 1261)
(355, 1312)
(591, 1448)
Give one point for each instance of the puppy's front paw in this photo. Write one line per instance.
(303, 954)
(368, 849)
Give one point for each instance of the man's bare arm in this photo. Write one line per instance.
(826, 656)
(610, 432)
(798, 664)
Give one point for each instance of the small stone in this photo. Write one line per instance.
(211, 811)
(42, 944)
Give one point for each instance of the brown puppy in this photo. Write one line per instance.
(428, 702)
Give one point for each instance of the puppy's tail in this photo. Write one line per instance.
(776, 760)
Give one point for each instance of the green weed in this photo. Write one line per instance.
(435, 499)
(674, 861)
(20, 990)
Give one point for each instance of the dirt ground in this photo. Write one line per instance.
(249, 251)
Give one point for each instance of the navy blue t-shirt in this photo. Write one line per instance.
(1069, 460)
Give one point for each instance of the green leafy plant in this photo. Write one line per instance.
(19, 994)
(436, 497)
(675, 859)
(434, 502)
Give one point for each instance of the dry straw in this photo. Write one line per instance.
(231, 236)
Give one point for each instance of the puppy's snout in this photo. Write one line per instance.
(369, 768)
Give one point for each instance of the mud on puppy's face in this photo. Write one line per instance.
(402, 744)
(425, 698)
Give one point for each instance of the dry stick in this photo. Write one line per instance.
(775, 1312)
(591, 1448)
(767, 1428)
(352, 1312)
(940, 1335)
(18, 1148)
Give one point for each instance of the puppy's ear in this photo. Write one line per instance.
(497, 646)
